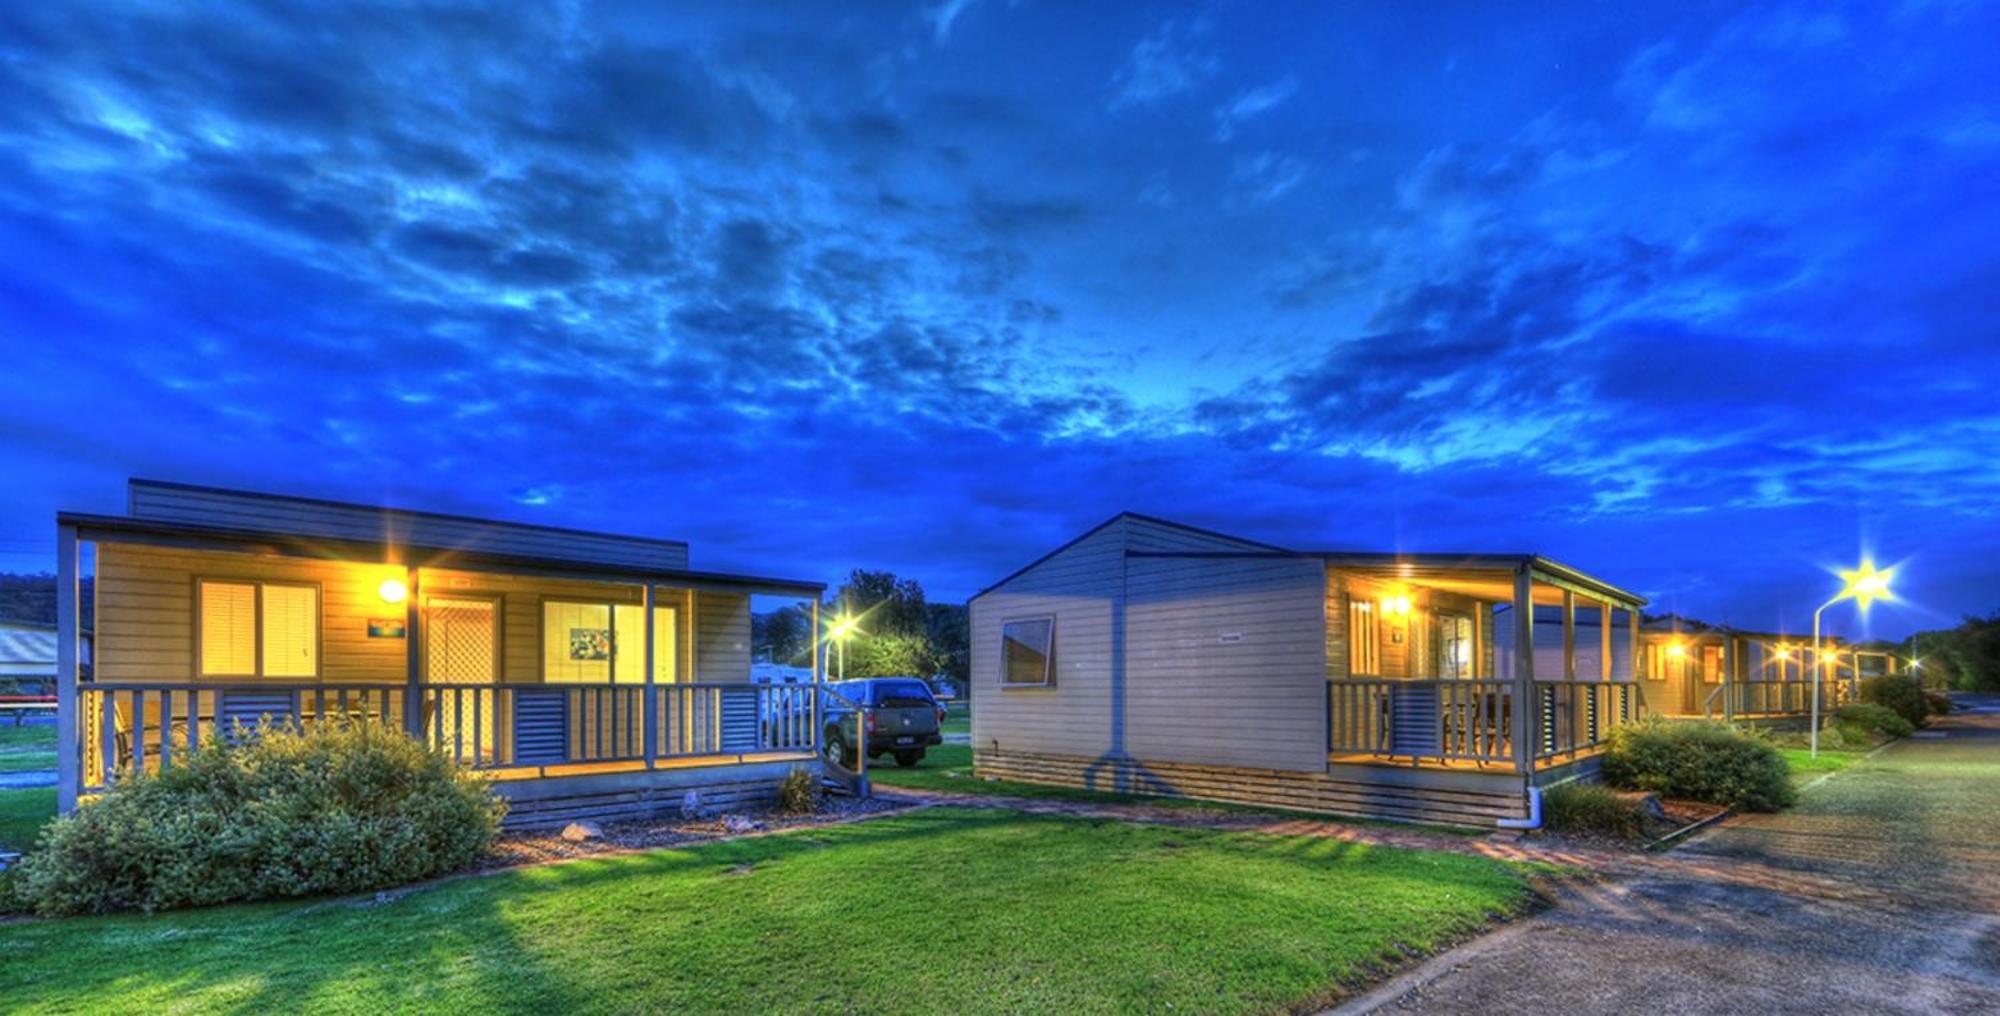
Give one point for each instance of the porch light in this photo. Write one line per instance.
(1677, 650)
(393, 591)
(1395, 604)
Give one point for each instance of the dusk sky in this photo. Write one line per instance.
(1701, 301)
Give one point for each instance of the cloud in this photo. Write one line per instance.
(1267, 176)
(1172, 61)
(1252, 103)
(1716, 291)
(944, 15)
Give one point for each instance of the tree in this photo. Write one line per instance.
(782, 636)
(884, 604)
(949, 627)
(1966, 657)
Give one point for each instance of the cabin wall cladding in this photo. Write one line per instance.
(145, 624)
(1225, 661)
(722, 643)
(1082, 586)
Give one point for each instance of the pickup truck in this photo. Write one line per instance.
(902, 719)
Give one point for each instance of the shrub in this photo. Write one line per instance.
(1700, 761)
(1899, 692)
(1863, 718)
(1592, 810)
(1939, 702)
(799, 793)
(336, 808)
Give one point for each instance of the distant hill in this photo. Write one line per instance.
(33, 598)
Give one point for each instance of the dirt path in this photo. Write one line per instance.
(1879, 893)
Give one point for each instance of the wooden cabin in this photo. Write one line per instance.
(1691, 670)
(1151, 657)
(590, 674)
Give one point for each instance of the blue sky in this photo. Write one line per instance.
(1698, 299)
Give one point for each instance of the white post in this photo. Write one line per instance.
(69, 760)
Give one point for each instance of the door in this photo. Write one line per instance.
(463, 713)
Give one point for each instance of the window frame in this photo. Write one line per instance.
(257, 627)
(611, 617)
(1048, 657)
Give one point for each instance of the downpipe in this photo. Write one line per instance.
(1534, 819)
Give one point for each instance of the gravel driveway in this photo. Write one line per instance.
(1878, 893)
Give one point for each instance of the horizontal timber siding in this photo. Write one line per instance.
(1225, 661)
(145, 625)
(309, 517)
(722, 644)
(1472, 799)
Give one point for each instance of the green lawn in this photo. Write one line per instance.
(27, 747)
(942, 910)
(1805, 768)
(959, 720)
(28, 735)
(22, 815)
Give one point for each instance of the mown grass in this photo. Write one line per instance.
(942, 910)
(22, 815)
(947, 768)
(27, 747)
(1805, 768)
(28, 735)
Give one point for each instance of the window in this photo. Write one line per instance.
(1025, 651)
(1454, 645)
(257, 629)
(1711, 664)
(1364, 638)
(593, 642)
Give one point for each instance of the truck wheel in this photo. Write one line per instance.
(838, 749)
(906, 759)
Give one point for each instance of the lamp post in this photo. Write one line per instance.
(843, 626)
(1864, 585)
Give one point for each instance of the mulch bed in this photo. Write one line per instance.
(540, 846)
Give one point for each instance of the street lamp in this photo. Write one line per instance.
(842, 627)
(1864, 585)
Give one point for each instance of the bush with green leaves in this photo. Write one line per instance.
(1864, 718)
(1900, 692)
(1593, 810)
(1939, 702)
(1700, 761)
(336, 808)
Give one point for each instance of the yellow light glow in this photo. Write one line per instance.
(1866, 584)
(1784, 654)
(843, 626)
(1677, 650)
(393, 591)
(1395, 604)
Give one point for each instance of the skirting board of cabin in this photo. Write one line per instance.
(644, 794)
(1396, 793)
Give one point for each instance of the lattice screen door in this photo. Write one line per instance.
(461, 648)
(459, 641)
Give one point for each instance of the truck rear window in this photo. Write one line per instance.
(893, 694)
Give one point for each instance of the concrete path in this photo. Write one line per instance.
(1878, 893)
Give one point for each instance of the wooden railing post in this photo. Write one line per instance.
(413, 655)
(1525, 704)
(68, 718)
(649, 724)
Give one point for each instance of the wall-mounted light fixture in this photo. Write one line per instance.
(393, 591)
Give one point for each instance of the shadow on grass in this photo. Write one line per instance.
(745, 924)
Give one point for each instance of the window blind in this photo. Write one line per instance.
(291, 631)
(228, 629)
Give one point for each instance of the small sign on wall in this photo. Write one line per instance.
(387, 627)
